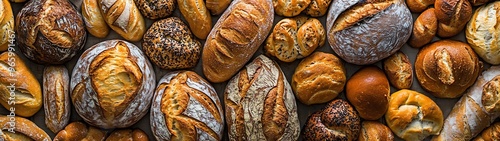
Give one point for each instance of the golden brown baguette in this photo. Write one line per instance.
(6, 25)
(94, 22)
(236, 37)
(491, 133)
(56, 97)
(20, 129)
(197, 16)
(78, 131)
(424, 29)
(216, 7)
(124, 18)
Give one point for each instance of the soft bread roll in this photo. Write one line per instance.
(452, 15)
(476, 110)
(375, 131)
(56, 97)
(399, 71)
(446, 68)
(124, 18)
(483, 32)
(236, 37)
(128, 135)
(413, 116)
(491, 133)
(424, 29)
(197, 16)
(20, 129)
(6, 25)
(94, 22)
(77, 131)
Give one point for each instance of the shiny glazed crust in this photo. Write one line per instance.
(399, 70)
(124, 18)
(94, 22)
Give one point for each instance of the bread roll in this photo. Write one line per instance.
(337, 121)
(6, 25)
(368, 91)
(318, 78)
(483, 34)
(413, 116)
(375, 131)
(295, 38)
(94, 22)
(418, 6)
(478, 2)
(20, 129)
(366, 31)
(452, 16)
(424, 29)
(112, 84)
(399, 71)
(124, 18)
(77, 131)
(236, 37)
(261, 91)
(317, 8)
(290, 8)
(169, 44)
(56, 97)
(216, 7)
(156, 9)
(489, 134)
(476, 110)
(197, 16)
(186, 107)
(50, 31)
(20, 91)
(446, 68)
(128, 135)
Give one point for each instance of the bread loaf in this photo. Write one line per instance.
(56, 97)
(77, 131)
(295, 38)
(476, 110)
(156, 9)
(478, 2)
(290, 8)
(197, 16)
(94, 22)
(319, 78)
(170, 44)
(446, 68)
(375, 131)
(50, 31)
(260, 104)
(216, 7)
(236, 37)
(482, 32)
(20, 129)
(337, 121)
(124, 18)
(399, 71)
(112, 84)
(452, 16)
(489, 134)
(413, 116)
(366, 31)
(128, 135)
(424, 29)
(418, 6)
(317, 8)
(20, 91)
(186, 107)
(6, 25)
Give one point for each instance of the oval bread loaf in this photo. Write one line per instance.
(56, 97)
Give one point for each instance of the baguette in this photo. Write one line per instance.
(94, 22)
(490, 133)
(197, 16)
(124, 18)
(476, 110)
(56, 97)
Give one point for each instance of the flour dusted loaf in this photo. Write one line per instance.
(366, 31)
(112, 84)
(260, 104)
(483, 34)
(186, 107)
(50, 31)
(56, 100)
(20, 129)
(236, 37)
(6, 24)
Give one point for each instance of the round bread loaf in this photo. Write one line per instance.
(413, 116)
(6, 25)
(50, 31)
(375, 131)
(128, 135)
(170, 44)
(483, 34)
(112, 84)
(366, 31)
(290, 8)
(452, 16)
(368, 91)
(318, 78)
(337, 121)
(156, 9)
(446, 68)
(186, 107)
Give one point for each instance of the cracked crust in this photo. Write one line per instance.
(78, 131)
(399, 70)
(94, 22)
(290, 8)
(6, 24)
(56, 97)
(124, 18)
(452, 15)
(24, 129)
(483, 32)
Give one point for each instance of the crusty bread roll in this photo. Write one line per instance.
(50, 31)
(20, 91)
(6, 25)
(290, 8)
(337, 121)
(124, 18)
(483, 34)
(413, 116)
(128, 135)
(295, 38)
(262, 91)
(418, 6)
(319, 78)
(491, 133)
(197, 16)
(478, 2)
(170, 44)
(56, 97)
(368, 91)
(77, 131)
(20, 129)
(317, 8)
(452, 16)
(399, 71)
(375, 131)
(366, 31)
(476, 110)
(112, 84)
(236, 37)
(424, 29)
(186, 107)
(216, 7)
(156, 9)
(94, 22)
(446, 68)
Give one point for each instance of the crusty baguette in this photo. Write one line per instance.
(197, 16)
(491, 133)
(56, 97)
(94, 22)
(124, 18)
(20, 129)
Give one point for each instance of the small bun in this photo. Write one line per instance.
(399, 70)
(372, 130)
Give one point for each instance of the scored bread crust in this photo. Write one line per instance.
(23, 129)
(56, 97)
(124, 18)
(483, 32)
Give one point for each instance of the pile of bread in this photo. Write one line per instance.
(114, 83)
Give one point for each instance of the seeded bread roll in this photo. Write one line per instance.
(424, 29)
(452, 16)
(124, 18)
(77, 131)
(56, 97)
(262, 91)
(6, 25)
(112, 84)
(399, 71)
(156, 9)
(94, 22)
(375, 131)
(317, 8)
(290, 8)
(128, 135)
(169, 44)
(483, 34)
(20, 129)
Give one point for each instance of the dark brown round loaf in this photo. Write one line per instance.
(156, 9)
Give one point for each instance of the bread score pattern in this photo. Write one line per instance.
(112, 84)
(260, 104)
(186, 107)
(483, 32)
(6, 24)
(56, 97)
(124, 18)
(20, 129)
